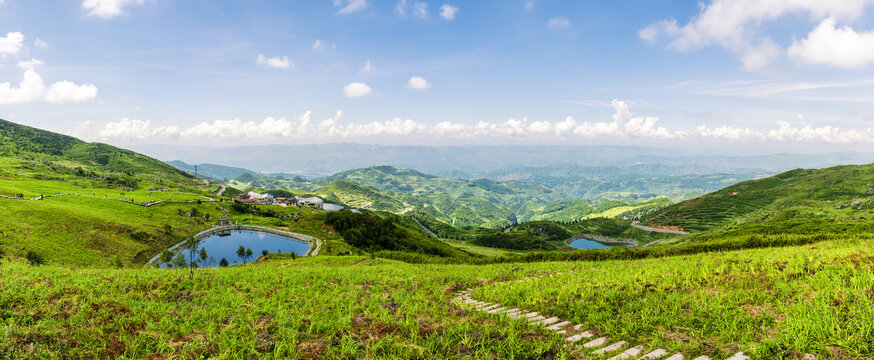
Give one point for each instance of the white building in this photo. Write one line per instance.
(257, 196)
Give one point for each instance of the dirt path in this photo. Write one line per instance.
(636, 224)
(222, 190)
(426, 229)
(143, 204)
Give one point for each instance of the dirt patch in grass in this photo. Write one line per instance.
(311, 350)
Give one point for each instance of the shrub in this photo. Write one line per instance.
(34, 258)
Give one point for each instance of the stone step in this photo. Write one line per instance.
(738, 356)
(580, 336)
(677, 356)
(549, 321)
(702, 357)
(535, 319)
(655, 354)
(610, 348)
(495, 310)
(630, 353)
(558, 326)
(572, 329)
(531, 314)
(597, 342)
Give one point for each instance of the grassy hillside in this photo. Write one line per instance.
(829, 193)
(353, 307)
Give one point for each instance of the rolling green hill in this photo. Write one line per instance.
(830, 193)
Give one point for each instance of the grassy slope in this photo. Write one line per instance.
(770, 303)
(310, 308)
(823, 193)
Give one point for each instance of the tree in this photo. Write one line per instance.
(203, 256)
(192, 244)
(166, 256)
(241, 252)
(223, 263)
(264, 252)
(179, 261)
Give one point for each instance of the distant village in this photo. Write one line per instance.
(299, 201)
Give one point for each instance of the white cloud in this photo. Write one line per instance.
(63, 92)
(32, 88)
(351, 6)
(448, 11)
(558, 22)
(356, 89)
(107, 8)
(40, 44)
(401, 8)
(734, 24)
(11, 44)
(420, 9)
(323, 45)
(274, 62)
(829, 45)
(418, 83)
(758, 57)
(30, 64)
(367, 67)
(529, 5)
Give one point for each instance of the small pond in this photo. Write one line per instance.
(226, 246)
(591, 244)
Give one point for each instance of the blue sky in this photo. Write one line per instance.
(770, 75)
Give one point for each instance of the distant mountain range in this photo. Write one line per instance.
(493, 162)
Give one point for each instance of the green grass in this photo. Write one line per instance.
(768, 303)
(309, 308)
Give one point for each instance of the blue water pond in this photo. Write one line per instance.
(225, 246)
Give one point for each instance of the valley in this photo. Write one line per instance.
(773, 267)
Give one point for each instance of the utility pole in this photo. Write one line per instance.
(195, 171)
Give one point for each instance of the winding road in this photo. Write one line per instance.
(636, 224)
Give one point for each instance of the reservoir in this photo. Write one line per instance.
(226, 244)
(588, 244)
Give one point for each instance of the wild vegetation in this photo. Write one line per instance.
(775, 268)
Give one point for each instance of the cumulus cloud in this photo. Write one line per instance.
(64, 92)
(418, 83)
(30, 64)
(785, 131)
(107, 8)
(829, 45)
(323, 45)
(448, 11)
(32, 88)
(367, 67)
(40, 44)
(734, 24)
(11, 44)
(274, 62)
(356, 89)
(558, 22)
(350, 6)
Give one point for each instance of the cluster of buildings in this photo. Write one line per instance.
(267, 199)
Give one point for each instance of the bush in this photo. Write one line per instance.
(34, 258)
(373, 233)
(514, 241)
